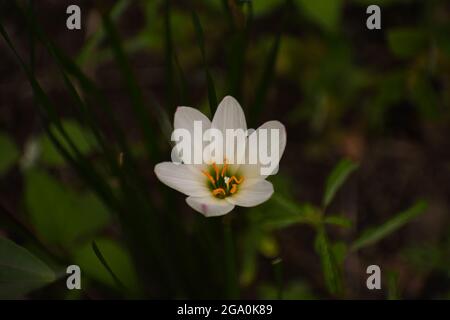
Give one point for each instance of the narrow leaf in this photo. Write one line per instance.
(338, 221)
(336, 179)
(375, 234)
(212, 97)
(139, 106)
(48, 115)
(102, 259)
(266, 79)
(330, 268)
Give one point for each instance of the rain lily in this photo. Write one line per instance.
(214, 187)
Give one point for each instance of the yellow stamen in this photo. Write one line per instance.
(218, 191)
(236, 180)
(216, 170)
(224, 169)
(209, 177)
(233, 189)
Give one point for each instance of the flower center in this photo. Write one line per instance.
(221, 182)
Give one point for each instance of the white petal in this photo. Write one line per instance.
(253, 170)
(210, 206)
(183, 178)
(185, 118)
(252, 192)
(229, 115)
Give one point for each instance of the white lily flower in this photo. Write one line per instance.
(214, 189)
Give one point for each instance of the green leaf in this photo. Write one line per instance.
(330, 267)
(338, 221)
(336, 179)
(406, 42)
(375, 234)
(60, 215)
(82, 138)
(283, 212)
(9, 153)
(20, 271)
(118, 259)
(326, 13)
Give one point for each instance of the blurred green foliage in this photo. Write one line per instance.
(118, 259)
(21, 271)
(82, 138)
(62, 216)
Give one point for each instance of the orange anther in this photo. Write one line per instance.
(236, 180)
(219, 191)
(209, 177)
(233, 189)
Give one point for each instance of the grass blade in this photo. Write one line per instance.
(137, 99)
(48, 116)
(266, 79)
(102, 259)
(119, 7)
(375, 234)
(338, 221)
(212, 97)
(240, 25)
(182, 80)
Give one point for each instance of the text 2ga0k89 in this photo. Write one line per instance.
(231, 309)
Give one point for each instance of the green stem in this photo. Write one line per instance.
(230, 261)
(278, 270)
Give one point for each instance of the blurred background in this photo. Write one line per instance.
(86, 114)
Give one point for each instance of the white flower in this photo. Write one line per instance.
(214, 189)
